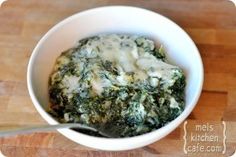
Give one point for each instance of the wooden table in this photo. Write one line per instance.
(211, 24)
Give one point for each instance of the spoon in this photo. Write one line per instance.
(42, 128)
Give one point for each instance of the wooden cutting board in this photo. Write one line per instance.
(211, 24)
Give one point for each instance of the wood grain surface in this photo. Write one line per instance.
(210, 23)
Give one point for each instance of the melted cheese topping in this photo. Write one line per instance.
(128, 58)
(70, 85)
(123, 52)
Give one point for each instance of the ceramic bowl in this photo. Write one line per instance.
(180, 49)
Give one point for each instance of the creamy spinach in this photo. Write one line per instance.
(119, 83)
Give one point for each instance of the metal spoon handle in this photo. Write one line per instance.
(42, 128)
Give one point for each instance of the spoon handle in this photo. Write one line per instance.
(42, 128)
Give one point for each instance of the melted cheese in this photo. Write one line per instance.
(173, 103)
(126, 55)
(122, 52)
(98, 85)
(71, 84)
(155, 68)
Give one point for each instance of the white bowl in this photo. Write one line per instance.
(115, 19)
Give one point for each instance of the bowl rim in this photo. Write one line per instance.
(176, 122)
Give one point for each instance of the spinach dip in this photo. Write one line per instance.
(122, 84)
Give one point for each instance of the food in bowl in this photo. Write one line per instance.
(180, 49)
(122, 84)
